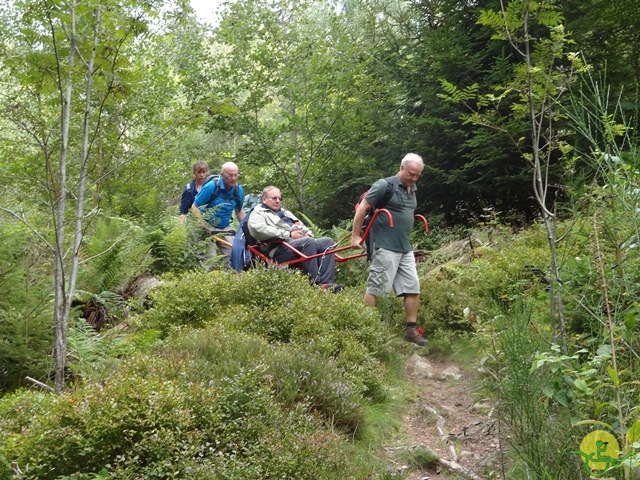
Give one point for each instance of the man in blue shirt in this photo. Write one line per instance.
(215, 204)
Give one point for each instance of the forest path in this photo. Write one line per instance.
(447, 417)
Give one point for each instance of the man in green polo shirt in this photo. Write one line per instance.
(393, 265)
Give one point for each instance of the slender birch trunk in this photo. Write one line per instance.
(65, 280)
(61, 308)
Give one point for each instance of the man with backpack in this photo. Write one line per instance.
(269, 221)
(393, 265)
(214, 205)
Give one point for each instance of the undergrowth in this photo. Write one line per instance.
(260, 375)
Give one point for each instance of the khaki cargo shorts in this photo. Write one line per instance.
(392, 270)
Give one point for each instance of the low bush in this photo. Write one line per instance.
(186, 300)
(279, 306)
(457, 295)
(316, 382)
(295, 373)
(149, 420)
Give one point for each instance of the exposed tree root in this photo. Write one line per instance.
(453, 464)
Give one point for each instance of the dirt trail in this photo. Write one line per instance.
(449, 419)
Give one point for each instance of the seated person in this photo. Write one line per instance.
(270, 221)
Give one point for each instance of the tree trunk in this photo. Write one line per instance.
(65, 281)
(61, 308)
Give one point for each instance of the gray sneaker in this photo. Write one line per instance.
(410, 335)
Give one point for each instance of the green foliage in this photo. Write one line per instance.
(504, 274)
(25, 308)
(333, 326)
(176, 247)
(597, 378)
(91, 353)
(298, 377)
(298, 118)
(114, 254)
(317, 382)
(334, 101)
(539, 433)
(187, 301)
(146, 421)
(465, 292)
(5, 468)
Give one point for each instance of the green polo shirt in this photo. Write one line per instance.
(402, 206)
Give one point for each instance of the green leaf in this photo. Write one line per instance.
(563, 398)
(581, 385)
(591, 422)
(614, 376)
(633, 433)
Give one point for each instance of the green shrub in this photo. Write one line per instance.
(539, 433)
(508, 272)
(114, 254)
(149, 420)
(90, 353)
(280, 306)
(316, 382)
(212, 353)
(458, 295)
(5, 468)
(188, 300)
(296, 373)
(195, 298)
(176, 247)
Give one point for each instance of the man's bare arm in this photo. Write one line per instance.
(358, 220)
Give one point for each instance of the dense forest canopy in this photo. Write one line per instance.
(320, 98)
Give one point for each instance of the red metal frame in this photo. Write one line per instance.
(255, 249)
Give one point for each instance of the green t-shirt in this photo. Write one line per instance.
(402, 206)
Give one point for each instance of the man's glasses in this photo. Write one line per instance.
(276, 198)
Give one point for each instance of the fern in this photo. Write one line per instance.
(457, 95)
(317, 231)
(174, 248)
(89, 352)
(113, 256)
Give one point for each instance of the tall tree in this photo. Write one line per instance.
(467, 169)
(65, 94)
(608, 34)
(286, 85)
(533, 91)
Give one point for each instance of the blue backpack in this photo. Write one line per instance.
(216, 178)
(241, 256)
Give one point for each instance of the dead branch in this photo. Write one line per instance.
(44, 386)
